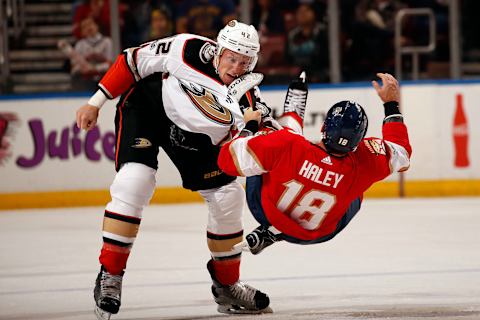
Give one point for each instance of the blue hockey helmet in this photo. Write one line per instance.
(345, 126)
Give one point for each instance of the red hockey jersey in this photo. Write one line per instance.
(306, 191)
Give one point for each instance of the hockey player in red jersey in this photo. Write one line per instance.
(181, 94)
(307, 193)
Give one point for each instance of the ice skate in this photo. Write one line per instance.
(107, 294)
(238, 298)
(296, 99)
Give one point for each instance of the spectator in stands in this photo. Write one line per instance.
(419, 33)
(137, 19)
(267, 18)
(470, 26)
(204, 17)
(99, 10)
(372, 38)
(91, 57)
(161, 24)
(307, 45)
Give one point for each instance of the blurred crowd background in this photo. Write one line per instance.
(58, 46)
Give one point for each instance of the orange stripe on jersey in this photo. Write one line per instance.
(120, 127)
(118, 78)
(249, 98)
(134, 58)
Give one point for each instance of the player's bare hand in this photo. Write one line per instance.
(389, 90)
(87, 116)
(251, 114)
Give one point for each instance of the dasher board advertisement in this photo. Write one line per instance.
(42, 150)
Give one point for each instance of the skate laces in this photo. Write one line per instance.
(110, 285)
(296, 101)
(243, 291)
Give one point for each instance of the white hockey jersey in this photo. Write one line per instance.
(194, 96)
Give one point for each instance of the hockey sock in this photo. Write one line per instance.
(227, 271)
(119, 233)
(226, 259)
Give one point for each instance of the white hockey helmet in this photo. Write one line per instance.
(241, 38)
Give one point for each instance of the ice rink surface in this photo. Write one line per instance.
(398, 259)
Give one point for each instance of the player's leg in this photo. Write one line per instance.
(349, 214)
(196, 159)
(131, 191)
(296, 98)
(295, 104)
(224, 231)
(266, 234)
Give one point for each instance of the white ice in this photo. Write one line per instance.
(398, 259)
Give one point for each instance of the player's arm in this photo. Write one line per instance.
(395, 134)
(295, 104)
(134, 64)
(234, 158)
(249, 154)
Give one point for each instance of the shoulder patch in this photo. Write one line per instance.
(196, 54)
(207, 52)
(375, 146)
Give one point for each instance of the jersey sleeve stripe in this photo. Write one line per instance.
(132, 64)
(235, 160)
(118, 78)
(105, 91)
(257, 161)
(244, 159)
(399, 159)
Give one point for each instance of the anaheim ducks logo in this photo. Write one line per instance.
(207, 103)
(141, 143)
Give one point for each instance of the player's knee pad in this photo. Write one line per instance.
(225, 206)
(132, 189)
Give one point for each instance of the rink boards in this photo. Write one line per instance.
(49, 162)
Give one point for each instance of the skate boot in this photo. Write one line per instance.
(262, 237)
(296, 99)
(107, 294)
(238, 298)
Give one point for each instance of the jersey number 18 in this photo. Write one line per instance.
(311, 209)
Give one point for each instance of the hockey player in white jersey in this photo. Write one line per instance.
(181, 94)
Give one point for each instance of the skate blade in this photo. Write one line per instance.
(243, 246)
(231, 309)
(101, 314)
